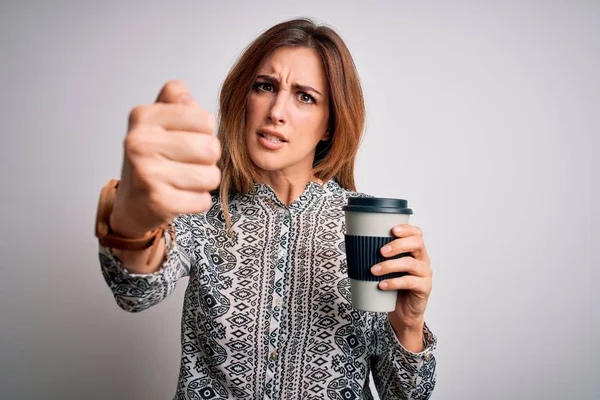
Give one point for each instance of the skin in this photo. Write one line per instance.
(413, 289)
(169, 168)
(281, 102)
(301, 115)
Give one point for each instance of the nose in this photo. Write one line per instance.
(277, 113)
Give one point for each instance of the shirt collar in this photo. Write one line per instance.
(312, 193)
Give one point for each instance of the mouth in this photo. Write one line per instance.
(271, 140)
(272, 136)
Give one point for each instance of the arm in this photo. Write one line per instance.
(397, 372)
(169, 169)
(401, 368)
(136, 292)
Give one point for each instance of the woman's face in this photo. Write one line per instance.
(288, 111)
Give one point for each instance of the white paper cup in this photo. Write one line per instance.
(369, 223)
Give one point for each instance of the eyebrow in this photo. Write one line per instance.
(304, 88)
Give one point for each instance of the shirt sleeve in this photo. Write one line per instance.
(399, 373)
(137, 292)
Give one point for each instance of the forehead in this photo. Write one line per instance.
(295, 64)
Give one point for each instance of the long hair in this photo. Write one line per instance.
(335, 157)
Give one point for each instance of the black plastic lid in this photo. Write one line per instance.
(377, 205)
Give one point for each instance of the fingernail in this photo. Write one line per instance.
(386, 249)
(383, 285)
(376, 268)
(397, 229)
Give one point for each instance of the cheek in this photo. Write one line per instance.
(252, 122)
(256, 109)
(314, 124)
(250, 111)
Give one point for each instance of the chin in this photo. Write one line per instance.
(270, 161)
(267, 165)
(266, 160)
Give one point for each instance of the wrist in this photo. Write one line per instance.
(125, 239)
(120, 226)
(410, 335)
(412, 325)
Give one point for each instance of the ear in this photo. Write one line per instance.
(326, 136)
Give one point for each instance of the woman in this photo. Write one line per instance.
(267, 309)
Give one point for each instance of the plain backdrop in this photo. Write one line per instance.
(484, 115)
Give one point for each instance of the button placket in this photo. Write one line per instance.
(277, 304)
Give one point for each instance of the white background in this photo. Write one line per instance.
(484, 115)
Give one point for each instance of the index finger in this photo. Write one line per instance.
(406, 230)
(173, 117)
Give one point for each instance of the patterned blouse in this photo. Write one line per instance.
(267, 311)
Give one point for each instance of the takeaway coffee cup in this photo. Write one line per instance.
(369, 223)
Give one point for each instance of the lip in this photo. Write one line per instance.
(267, 143)
(274, 133)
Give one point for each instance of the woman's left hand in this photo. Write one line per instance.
(414, 287)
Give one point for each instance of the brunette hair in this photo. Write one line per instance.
(333, 158)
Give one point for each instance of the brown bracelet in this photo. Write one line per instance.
(109, 239)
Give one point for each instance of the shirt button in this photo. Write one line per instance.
(273, 355)
(277, 305)
(281, 253)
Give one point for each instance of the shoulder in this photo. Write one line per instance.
(336, 190)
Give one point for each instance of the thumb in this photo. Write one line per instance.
(175, 92)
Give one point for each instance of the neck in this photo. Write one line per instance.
(288, 187)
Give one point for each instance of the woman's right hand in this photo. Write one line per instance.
(169, 164)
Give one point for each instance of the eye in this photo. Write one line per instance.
(264, 87)
(306, 98)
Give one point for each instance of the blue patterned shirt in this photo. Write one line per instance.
(267, 311)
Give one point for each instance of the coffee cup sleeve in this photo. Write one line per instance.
(362, 252)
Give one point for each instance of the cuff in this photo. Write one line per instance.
(419, 368)
(429, 344)
(170, 252)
